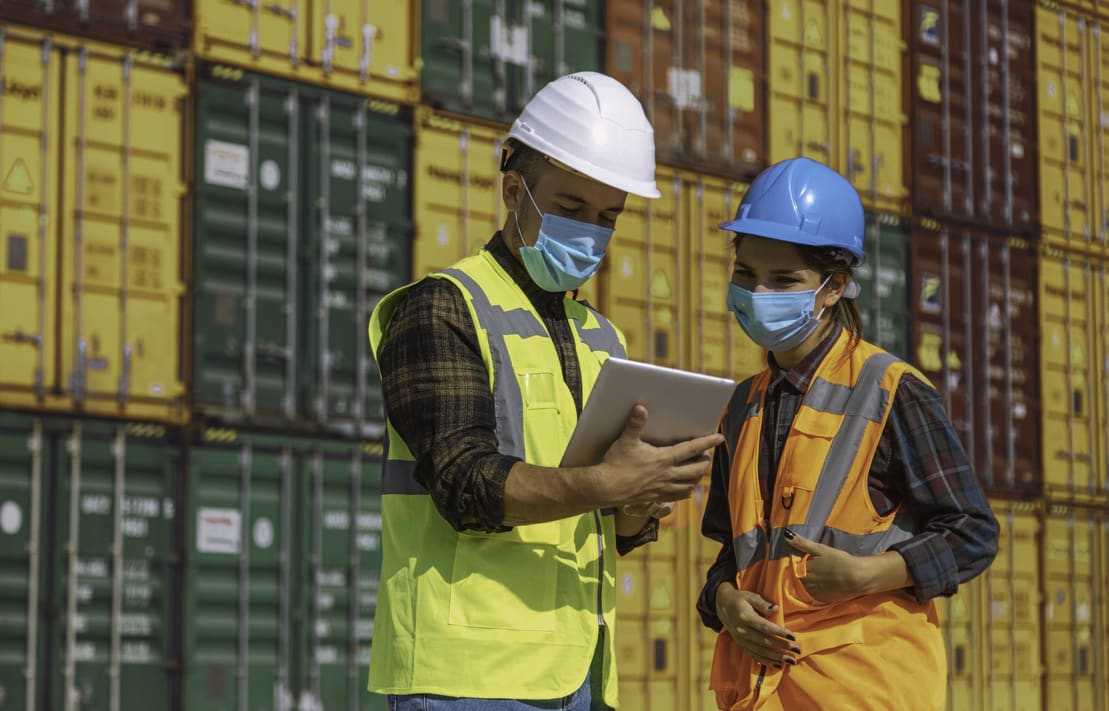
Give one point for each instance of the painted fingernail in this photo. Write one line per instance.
(772, 607)
(791, 638)
(795, 650)
(791, 660)
(789, 534)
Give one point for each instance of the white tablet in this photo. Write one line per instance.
(681, 405)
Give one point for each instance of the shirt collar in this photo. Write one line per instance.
(519, 274)
(800, 376)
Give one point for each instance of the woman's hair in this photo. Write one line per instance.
(829, 261)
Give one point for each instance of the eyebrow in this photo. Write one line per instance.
(575, 198)
(739, 265)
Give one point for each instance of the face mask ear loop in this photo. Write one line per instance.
(516, 214)
(817, 293)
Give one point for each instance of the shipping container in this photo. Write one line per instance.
(1009, 609)
(975, 334)
(92, 202)
(456, 189)
(302, 214)
(974, 142)
(716, 343)
(1075, 432)
(283, 551)
(90, 563)
(834, 79)
(487, 58)
(1075, 644)
(1071, 71)
(654, 615)
(352, 45)
(883, 293)
(151, 24)
(697, 68)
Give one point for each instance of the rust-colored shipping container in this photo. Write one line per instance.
(974, 141)
(161, 25)
(698, 69)
(975, 334)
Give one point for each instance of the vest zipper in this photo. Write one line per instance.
(600, 567)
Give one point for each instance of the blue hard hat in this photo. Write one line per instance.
(804, 202)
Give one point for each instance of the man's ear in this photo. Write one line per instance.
(512, 190)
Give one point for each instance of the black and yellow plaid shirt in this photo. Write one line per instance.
(437, 396)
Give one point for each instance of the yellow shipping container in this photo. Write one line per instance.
(354, 45)
(1076, 641)
(963, 639)
(1074, 326)
(1073, 79)
(835, 83)
(456, 189)
(28, 216)
(114, 231)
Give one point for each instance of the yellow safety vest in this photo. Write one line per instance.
(881, 651)
(498, 615)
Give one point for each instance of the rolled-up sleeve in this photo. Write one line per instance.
(716, 525)
(437, 396)
(959, 531)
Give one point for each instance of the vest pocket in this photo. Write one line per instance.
(503, 584)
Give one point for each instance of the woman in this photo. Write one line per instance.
(841, 495)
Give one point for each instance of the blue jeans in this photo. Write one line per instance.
(580, 700)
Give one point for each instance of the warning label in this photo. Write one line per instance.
(218, 531)
(226, 164)
(18, 179)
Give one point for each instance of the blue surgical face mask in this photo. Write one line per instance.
(566, 253)
(776, 320)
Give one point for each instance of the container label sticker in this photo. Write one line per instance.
(263, 533)
(18, 179)
(929, 25)
(218, 531)
(11, 518)
(270, 175)
(226, 164)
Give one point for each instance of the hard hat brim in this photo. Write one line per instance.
(778, 231)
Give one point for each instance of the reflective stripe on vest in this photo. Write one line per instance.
(866, 401)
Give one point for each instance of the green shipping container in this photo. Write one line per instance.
(89, 555)
(284, 553)
(486, 58)
(302, 223)
(883, 297)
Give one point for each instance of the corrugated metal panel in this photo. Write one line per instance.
(358, 251)
(697, 67)
(1075, 645)
(283, 543)
(456, 188)
(122, 287)
(153, 24)
(716, 343)
(25, 478)
(653, 622)
(884, 297)
(29, 205)
(960, 621)
(645, 269)
(1075, 432)
(835, 86)
(280, 317)
(91, 226)
(974, 130)
(89, 562)
(353, 45)
(116, 552)
(486, 58)
(1072, 62)
(974, 333)
(1009, 607)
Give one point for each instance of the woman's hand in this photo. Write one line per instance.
(742, 614)
(833, 575)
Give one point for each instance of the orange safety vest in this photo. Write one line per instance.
(881, 651)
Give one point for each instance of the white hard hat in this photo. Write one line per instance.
(591, 123)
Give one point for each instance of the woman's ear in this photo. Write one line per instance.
(834, 289)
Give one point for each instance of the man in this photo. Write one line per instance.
(497, 582)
